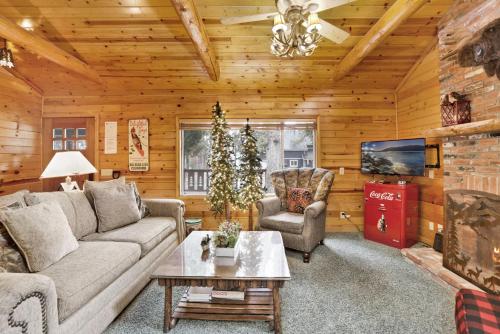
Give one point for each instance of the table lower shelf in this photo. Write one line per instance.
(258, 305)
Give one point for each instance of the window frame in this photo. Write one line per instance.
(183, 122)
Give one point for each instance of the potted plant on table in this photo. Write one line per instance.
(226, 238)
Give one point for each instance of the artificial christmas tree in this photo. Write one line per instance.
(221, 193)
(250, 173)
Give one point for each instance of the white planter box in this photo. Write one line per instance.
(227, 252)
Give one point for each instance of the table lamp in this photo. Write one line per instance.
(66, 164)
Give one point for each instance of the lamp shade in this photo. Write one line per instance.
(66, 164)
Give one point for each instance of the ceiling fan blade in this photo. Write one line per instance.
(332, 33)
(247, 18)
(317, 6)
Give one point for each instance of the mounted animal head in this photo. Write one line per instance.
(484, 50)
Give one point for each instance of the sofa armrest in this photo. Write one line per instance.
(29, 304)
(315, 209)
(268, 206)
(161, 207)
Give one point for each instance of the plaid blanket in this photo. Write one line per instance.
(477, 312)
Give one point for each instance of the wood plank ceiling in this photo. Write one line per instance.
(141, 46)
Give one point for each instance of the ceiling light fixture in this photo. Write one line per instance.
(27, 24)
(6, 59)
(296, 33)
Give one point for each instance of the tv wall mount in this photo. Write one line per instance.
(438, 160)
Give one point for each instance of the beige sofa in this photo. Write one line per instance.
(88, 288)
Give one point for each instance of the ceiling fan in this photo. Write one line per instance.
(297, 28)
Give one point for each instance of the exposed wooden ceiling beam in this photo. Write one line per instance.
(196, 30)
(35, 44)
(397, 14)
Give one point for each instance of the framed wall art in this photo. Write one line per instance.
(138, 145)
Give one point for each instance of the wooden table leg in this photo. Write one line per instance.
(167, 318)
(277, 310)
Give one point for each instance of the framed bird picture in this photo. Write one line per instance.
(138, 145)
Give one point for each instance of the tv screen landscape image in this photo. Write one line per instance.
(394, 157)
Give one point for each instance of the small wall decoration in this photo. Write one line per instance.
(455, 109)
(110, 137)
(138, 145)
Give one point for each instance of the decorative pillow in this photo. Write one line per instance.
(89, 186)
(115, 207)
(81, 217)
(42, 233)
(299, 199)
(11, 259)
(143, 209)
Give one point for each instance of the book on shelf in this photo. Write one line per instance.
(199, 294)
(232, 295)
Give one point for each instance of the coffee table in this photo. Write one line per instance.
(260, 269)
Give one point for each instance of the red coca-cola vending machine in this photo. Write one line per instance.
(391, 214)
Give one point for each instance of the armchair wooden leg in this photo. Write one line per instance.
(306, 257)
(322, 242)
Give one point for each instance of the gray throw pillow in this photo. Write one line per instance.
(11, 259)
(41, 232)
(90, 186)
(115, 207)
(76, 207)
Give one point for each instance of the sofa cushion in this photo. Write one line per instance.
(11, 259)
(83, 274)
(147, 232)
(76, 207)
(284, 222)
(115, 207)
(41, 232)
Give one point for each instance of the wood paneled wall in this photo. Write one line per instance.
(20, 138)
(345, 116)
(417, 110)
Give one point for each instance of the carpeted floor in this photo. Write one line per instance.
(350, 286)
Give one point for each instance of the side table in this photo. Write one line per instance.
(193, 224)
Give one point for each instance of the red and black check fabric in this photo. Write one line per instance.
(477, 312)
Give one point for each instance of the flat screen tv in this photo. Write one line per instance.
(393, 157)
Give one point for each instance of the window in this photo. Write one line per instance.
(282, 144)
(73, 139)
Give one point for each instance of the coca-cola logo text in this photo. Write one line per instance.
(382, 196)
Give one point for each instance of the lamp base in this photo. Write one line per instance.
(69, 186)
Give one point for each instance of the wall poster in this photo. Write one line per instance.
(138, 145)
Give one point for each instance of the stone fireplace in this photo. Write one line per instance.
(471, 162)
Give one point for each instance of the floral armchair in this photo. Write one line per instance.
(302, 232)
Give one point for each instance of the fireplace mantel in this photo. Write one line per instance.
(490, 125)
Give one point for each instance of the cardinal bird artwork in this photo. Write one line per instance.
(136, 141)
(138, 145)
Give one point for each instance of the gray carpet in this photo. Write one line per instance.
(350, 286)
